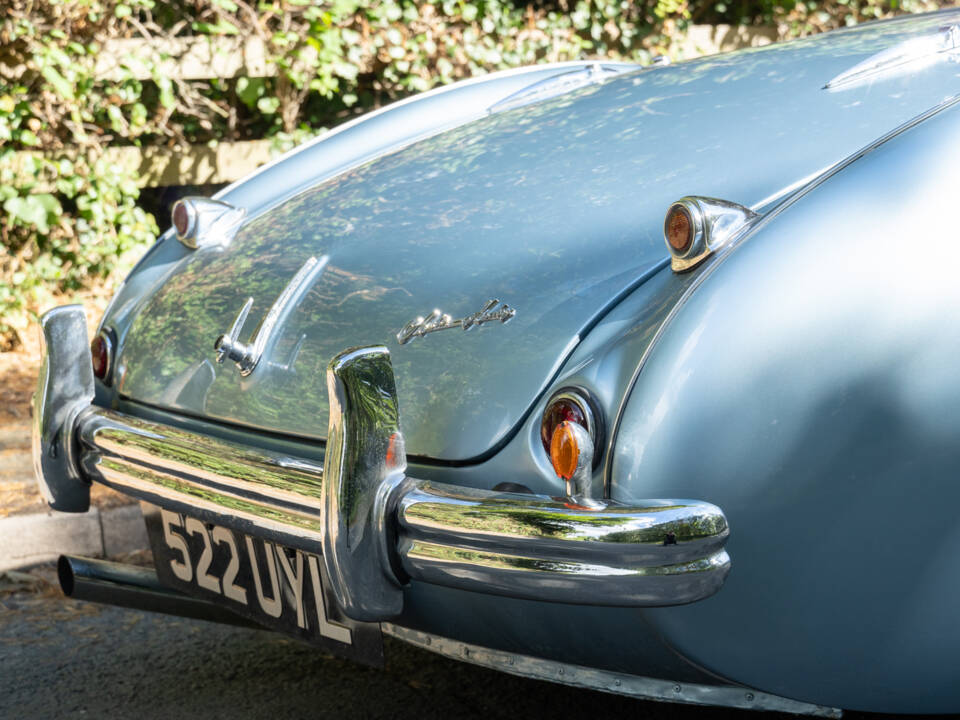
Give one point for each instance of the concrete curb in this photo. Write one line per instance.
(41, 537)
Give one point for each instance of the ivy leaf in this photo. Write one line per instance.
(60, 84)
(221, 27)
(249, 90)
(167, 98)
(138, 114)
(59, 57)
(34, 210)
(268, 105)
(116, 119)
(28, 138)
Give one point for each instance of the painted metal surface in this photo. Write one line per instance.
(556, 206)
(815, 370)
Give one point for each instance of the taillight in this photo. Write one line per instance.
(183, 218)
(696, 227)
(560, 409)
(204, 222)
(101, 355)
(570, 430)
(678, 229)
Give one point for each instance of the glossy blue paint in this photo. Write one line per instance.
(808, 387)
(554, 208)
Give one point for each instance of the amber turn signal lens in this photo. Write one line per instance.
(678, 229)
(564, 451)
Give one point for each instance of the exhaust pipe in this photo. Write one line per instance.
(135, 587)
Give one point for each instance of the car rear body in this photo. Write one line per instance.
(746, 390)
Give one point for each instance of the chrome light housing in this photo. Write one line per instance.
(201, 222)
(577, 411)
(696, 227)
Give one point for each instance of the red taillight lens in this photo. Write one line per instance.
(678, 229)
(101, 351)
(181, 218)
(559, 411)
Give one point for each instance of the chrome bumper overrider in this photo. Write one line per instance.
(377, 528)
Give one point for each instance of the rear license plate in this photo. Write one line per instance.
(279, 587)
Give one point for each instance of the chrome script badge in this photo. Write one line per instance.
(437, 320)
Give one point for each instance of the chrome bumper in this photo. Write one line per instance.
(376, 527)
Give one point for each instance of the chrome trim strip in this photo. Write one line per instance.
(643, 688)
(247, 489)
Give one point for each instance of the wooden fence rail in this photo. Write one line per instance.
(196, 58)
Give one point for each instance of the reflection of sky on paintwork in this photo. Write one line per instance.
(552, 208)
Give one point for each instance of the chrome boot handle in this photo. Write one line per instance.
(247, 355)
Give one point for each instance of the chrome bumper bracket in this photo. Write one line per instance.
(64, 390)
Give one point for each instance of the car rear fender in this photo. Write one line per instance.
(807, 385)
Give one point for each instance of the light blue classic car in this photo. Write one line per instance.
(438, 375)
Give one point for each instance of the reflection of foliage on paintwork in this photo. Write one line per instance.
(555, 208)
(69, 217)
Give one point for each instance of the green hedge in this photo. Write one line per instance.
(67, 224)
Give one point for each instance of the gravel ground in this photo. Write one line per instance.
(60, 657)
